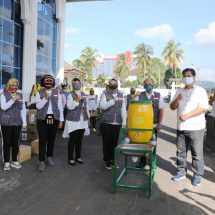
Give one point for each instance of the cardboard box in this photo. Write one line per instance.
(35, 147)
(24, 153)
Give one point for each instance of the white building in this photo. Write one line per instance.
(31, 40)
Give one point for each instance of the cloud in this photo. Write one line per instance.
(205, 36)
(161, 32)
(72, 30)
(67, 46)
(205, 74)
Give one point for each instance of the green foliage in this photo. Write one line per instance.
(101, 80)
(172, 56)
(143, 54)
(86, 62)
(121, 68)
(169, 73)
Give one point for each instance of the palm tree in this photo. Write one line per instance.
(172, 56)
(87, 61)
(143, 54)
(121, 68)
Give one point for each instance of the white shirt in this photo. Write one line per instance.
(40, 103)
(71, 126)
(193, 98)
(92, 102)
(6, 105)
(105, 105)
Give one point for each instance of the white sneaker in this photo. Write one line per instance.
(134, 159)
(15, 165)
(6, 166)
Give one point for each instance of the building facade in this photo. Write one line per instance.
(106, 64)
(31, 41)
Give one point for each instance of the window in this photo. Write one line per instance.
(46, 39)
(11, 34)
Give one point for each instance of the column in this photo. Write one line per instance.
(60, 15)
(29, 18)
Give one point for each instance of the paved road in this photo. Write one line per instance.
(88, 190)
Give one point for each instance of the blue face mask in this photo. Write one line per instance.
(148, 88)
(76, 86)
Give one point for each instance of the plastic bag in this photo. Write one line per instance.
(87, 132)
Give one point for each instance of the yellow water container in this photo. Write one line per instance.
(140, 115)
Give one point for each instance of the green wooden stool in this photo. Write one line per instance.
(133, 149)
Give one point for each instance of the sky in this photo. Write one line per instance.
(115, 26)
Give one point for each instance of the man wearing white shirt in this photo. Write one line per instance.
(191, 103)
(113, 117)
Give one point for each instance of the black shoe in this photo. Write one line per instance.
(79, 160)
(112, 164)
(141, 164)
(108, 165)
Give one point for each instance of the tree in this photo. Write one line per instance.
(157, 71)
(86, 62)
(172, 56)
(121, 68)
(170, 74)
(101, 80)
(143, 54)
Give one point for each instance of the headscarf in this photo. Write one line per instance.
(12, 86)
(113, 85)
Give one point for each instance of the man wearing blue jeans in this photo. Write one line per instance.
(191, 103)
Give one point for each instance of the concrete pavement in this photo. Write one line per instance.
(88, 189)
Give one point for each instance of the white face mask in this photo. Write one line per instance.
(188, 80)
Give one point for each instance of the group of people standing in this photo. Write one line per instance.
(51, 116)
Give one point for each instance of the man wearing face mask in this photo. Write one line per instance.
(191, 103)
(49, 119)
(113, 117)
(158, 109)
(76, 122)
(93, 105)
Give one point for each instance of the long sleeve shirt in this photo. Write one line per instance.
(71, 126)
(40, 103)
(104, 104)
(6, 105)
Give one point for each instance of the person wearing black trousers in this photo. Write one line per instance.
(76, 122)
(49, 119)
(93, 108)
(113, 118)
(12, 119)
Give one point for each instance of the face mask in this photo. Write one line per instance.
(148, 88)
(113, 87)
(13, 89)
(188, 80)
(48, 86)
(76, 86)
